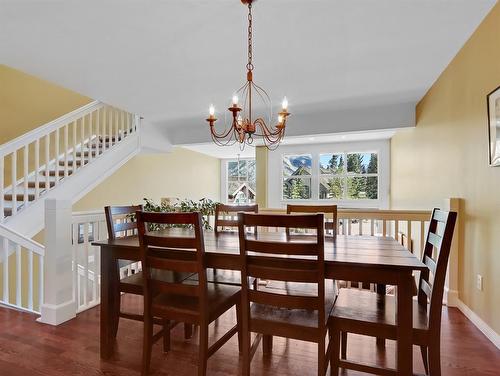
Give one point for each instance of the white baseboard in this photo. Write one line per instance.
(493, 336)
(451, 297)
(57, 314)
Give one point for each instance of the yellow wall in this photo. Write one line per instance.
(26, 102)
(446, 155)
(182, 173)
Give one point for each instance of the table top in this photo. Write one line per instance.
(367, 251)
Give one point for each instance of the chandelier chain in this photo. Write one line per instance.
(250, 64)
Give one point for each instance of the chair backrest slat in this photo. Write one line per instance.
(175, 288)
(328, 210)
(296, 249)
(441, 245)
(222, 210)
(294, 261)
(282, 274)
(284, 301)
(434, 239)
(171, 242)
(126, 214)
(153, 243)
(431, 263)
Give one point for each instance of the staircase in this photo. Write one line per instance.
(48, 158)
(63, 159)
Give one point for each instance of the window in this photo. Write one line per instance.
(352, 176)
(240, 181)
(296, 174)
(337, 176)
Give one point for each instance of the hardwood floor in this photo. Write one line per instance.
(29, 348)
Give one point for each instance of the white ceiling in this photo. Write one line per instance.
(345, 65)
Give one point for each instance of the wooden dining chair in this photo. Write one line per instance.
(371, 314)
(120, 221)
(222, 211)
(198, 303)
(222, 223)
(326, 209)
(300, 314)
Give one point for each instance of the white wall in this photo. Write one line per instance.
(274, 177)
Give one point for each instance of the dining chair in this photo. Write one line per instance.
(296, 313)
(222, 222)
(222, 212)
(120, 221)
(371, 314)
(326, 209)
(198, 303)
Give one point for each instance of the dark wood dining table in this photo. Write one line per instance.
(371, 259)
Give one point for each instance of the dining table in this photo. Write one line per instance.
(367, 259)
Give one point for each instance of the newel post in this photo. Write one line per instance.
(58, 305)
(451, 284)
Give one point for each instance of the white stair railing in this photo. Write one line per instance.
(64, 146)
(88, 227)
(22, 262)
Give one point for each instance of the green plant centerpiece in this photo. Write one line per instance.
(205, 206)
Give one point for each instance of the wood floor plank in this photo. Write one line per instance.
(30, 348)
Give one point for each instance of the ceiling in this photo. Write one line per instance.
(345, 65)
(233, 151)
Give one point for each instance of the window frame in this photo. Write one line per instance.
(345, 175)
(311, 188)
(275, 168)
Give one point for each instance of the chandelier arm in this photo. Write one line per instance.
(266, 130)
(221, 135)
(229, 142)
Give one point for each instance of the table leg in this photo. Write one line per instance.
(267, 344)
(404, 355)
(107, 304)
(382, 290)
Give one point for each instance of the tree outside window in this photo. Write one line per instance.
(297, 170)
(351, 176)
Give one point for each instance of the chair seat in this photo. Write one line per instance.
(222, 276)
(134, 283)
(220, 298)
(374, 309)
(292, 317)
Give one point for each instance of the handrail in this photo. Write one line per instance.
(347, 213)
(23, 241)
(49, 127)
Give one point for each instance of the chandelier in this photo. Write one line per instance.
(244, 125)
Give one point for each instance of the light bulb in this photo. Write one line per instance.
(211, 110)
(284, 104)
(280, 119)
(235, 100)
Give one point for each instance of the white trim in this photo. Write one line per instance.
(57, 314)
(23, 241)
(493, 336)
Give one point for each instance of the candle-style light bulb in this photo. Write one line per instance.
(235, 100)
(284, 104)
(211, 110)
(280, 119)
